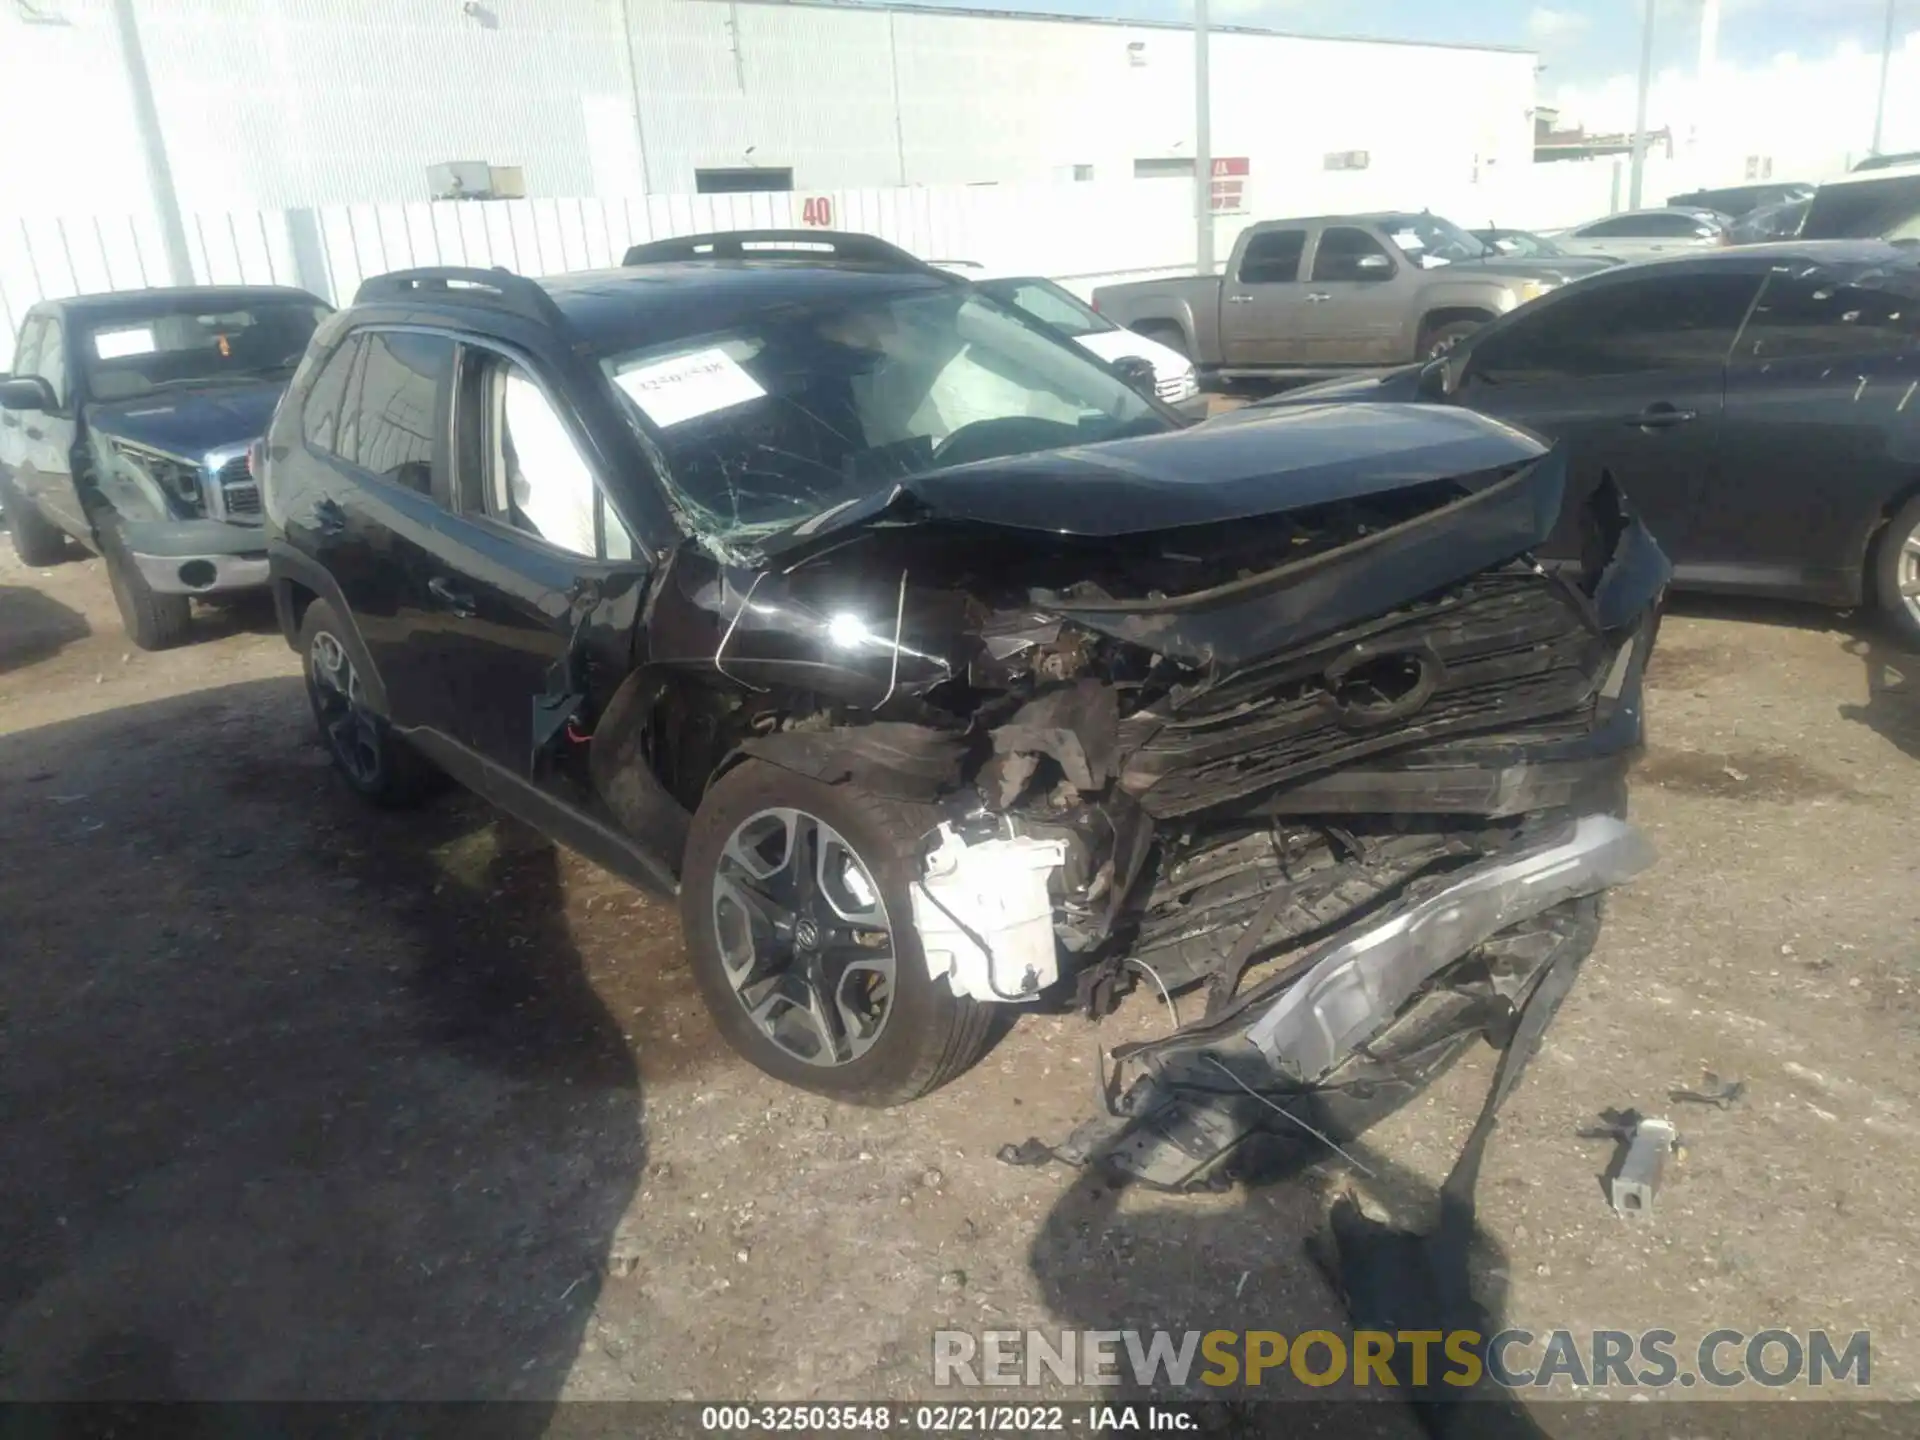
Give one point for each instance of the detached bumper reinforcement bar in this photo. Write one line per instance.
(1209, 1085)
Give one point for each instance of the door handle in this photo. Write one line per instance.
(1239, 299)
(1318, 297)
(456, 600)
(1662, 416)
(329, 518)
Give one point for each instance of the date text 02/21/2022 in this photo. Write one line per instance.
(961, 1419)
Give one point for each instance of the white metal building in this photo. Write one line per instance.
(260, 103)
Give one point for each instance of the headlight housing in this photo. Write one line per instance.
(145, 484)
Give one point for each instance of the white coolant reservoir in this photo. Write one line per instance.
(984, 916)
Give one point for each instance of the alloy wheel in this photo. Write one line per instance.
(1908, 573)
(804, 936)
(341, 705)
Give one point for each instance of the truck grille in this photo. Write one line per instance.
(239, 492)
(1504, 651)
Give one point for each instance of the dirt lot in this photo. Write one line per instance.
(302, 1100)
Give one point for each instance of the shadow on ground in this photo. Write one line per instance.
(1892, 710)
(34, 626)
(305, 1101)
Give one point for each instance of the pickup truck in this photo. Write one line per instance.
(125, 424)
(1316, 296)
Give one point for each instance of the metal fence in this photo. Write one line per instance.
(1081, 233)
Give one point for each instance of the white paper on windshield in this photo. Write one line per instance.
(118, 344)
(1408, 240)
(686, 387)
(1433, 262)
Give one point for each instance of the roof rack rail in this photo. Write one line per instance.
(774, 244)
(497, 288)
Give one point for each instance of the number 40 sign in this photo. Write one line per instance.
(816, 212)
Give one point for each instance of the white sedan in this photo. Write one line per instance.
(1175, 382)
(1634, 234)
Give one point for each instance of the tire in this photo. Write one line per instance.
(1896, 567)
(152, 621)
(377, 764)
(35, 540)
(926, 1035)
(1171, 336)
(1438, 340)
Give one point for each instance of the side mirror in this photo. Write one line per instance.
(1439, 376)
(1137, 371)
(27, 392)
(1373, 267)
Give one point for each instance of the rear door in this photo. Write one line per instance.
(1822, 429)
(1262, 301)
(536, 582)
(1357, 300)
(377, 414)
(1629, 370)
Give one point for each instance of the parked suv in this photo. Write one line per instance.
(937, 669)
(125, 424)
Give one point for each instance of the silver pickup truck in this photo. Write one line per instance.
(1317, 296)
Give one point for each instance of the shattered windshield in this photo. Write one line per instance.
(129, 357)
(803, 408)
(1428, 240)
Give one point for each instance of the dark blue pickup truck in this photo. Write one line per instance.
(126, 424)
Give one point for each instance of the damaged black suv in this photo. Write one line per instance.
(934, 667)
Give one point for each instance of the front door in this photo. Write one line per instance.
(1262, 300)
(537, 583)
(1357, 299)
(1631, 376)
(45, 438)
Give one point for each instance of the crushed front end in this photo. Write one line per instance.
(1328, 744)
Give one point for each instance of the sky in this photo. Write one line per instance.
(1581, 42)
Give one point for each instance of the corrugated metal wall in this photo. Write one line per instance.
(267, 103)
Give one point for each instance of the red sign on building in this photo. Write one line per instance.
(1230, 184)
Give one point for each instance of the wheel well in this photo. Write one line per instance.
(1434, 319)
(1163, 331)
(299, 597)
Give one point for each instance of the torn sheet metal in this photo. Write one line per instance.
(1263, 1063)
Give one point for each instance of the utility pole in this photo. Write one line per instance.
(1202, 144)
(153, 146)
(1640, 110)
(1886, 61)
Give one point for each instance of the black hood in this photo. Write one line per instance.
(189, 423)
(1237, 467)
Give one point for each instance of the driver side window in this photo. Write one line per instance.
(521, 466)
(1345, 253)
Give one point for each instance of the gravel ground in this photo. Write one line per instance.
(303, 1100)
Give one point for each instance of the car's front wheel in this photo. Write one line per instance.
(375, 762)
(152, 621)
(795, 903)
(1897, 572)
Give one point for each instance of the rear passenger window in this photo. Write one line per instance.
(1273, 257)
(320, 420)
(1801, 315)
(392, 404)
